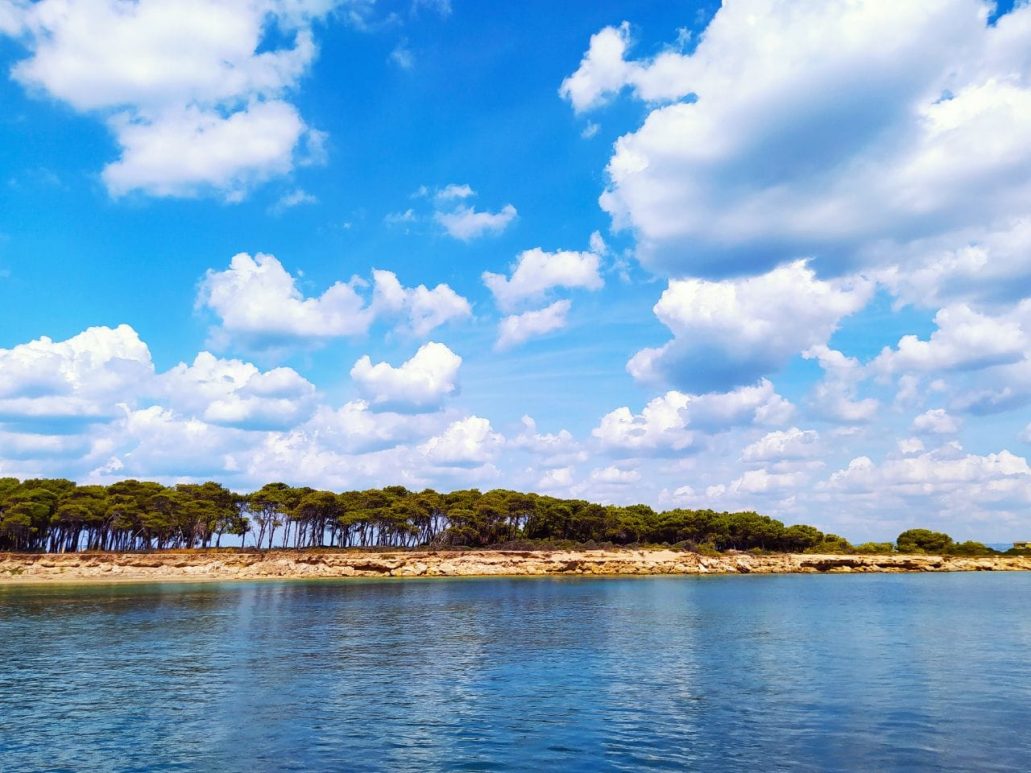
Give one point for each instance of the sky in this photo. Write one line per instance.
(769, 255)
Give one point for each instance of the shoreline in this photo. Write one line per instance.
(211, 566)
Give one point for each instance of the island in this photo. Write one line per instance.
(57, 530)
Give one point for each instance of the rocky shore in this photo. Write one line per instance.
(316, 564)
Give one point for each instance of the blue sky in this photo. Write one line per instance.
(764, 256)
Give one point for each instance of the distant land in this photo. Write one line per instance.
(309, 564)
(56, 529)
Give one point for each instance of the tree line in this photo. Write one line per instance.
(59, 516)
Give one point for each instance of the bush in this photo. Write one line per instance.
(923, 541)
(831, 543)
(969, 548)
(874, 548)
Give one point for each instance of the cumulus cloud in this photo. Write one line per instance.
(793, 443)
(964, 340)
(517, 329)
(612, 475)
(356, 428)
(956, 483)
(935, 422)
(469, 442)
(450, 208)
(424, 309)
(834, 397)
(674, 421)
(986, 265)
(236, 394)
(194, 97)
(260, 305)
(536, 272)
(51, 386)
(466, 223)
(603, 71)
(549, 449)
(418, 384)
(731, 332)
(840, 132)
(257, 300)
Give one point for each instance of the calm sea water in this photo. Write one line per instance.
(812, 673)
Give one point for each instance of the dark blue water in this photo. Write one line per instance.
(806, 673)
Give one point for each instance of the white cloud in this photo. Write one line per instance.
(764, 482)
(955, 483)
(258, 301)
(454, 191)
(986, 264)
(425, 309)
(603, 71)
(613, 475)
(536, 272)
(556, 481)
(469, 442)
(548, 449)
(793, 443)
(177, 153)
(260, 305)
(55, 386)
(235, 393)
(402, 56)
(839, 132)
(298, 197)
(516, 329)
(935, 422)
(419, 384)
(964, 340)
(194, 102)
(466, 223)
(672, 422)
(355, 428)
(733, 331)
(912, 445)
(834, 397)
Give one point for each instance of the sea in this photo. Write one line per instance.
(821, 673)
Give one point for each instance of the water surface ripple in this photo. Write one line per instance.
(882, 672)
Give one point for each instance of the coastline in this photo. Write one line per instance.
(211, 566)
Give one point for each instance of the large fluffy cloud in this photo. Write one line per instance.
(258, 300)
(837, 130)
(236, 393)
(672, 422)
(418, 384)
(260, 305)
(732, 332)
(536, 272)
(55, 386)
(191, 90)
(425, 309)
(962, 487)
(964, 340)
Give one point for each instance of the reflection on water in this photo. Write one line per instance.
(817, 673)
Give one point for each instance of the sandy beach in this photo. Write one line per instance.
(316, 564)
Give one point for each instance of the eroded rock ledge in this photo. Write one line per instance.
(312, 564)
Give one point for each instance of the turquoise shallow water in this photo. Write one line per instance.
(890, 672)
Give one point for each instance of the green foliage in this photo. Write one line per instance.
(59, 516)
(831, 543)
(923, 541)
(969, 548)
(874, 548)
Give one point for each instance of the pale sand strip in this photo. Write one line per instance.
(315, 564)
